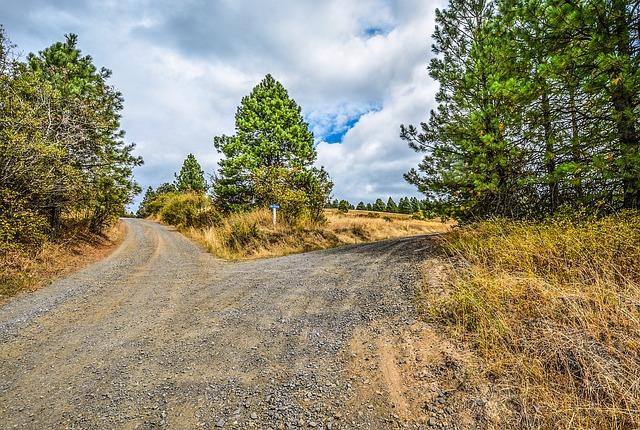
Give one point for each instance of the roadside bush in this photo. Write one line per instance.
(20, 225)
(186, 210)
(554, 310)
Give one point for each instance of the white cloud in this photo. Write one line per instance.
(183, 68)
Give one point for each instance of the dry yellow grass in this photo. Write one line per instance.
(252, 235)
(27, 270)
(553, 309)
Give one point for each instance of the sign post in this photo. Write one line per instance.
(274, 207)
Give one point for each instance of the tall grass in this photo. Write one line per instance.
(554, 310)
(252, 234)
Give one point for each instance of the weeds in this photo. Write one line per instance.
(554, 309)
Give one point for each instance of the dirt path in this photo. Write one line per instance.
(163, 335)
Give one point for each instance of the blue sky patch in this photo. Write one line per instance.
(332, 127)
(375, 31)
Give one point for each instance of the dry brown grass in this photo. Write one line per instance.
(553, 309)
(27, 270)
(252, 235)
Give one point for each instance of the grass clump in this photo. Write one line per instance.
(554, 310)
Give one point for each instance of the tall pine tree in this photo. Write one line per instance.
(270, 134)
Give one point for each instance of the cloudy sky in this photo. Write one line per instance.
(357, 69)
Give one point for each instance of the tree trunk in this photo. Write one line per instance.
(576, 151)
(550, 156)
(622, 101)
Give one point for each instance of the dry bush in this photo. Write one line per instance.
(252, 234)
(554, 309)
(28, 268)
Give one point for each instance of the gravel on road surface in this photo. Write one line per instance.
(163, 335)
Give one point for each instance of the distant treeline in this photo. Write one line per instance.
(406, 205)
(538, 109)
(63, 159)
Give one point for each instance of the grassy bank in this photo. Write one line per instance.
(24, 269)
(252, 234)
(553, 311)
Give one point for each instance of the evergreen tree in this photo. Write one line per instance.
(470, 160)
(379, 206)
(270, 133)
(165, 188)
(191, 176)
(415, 204)
(405, 206)
(369, 207)
(344, 206)
(60, 138)
(361, 206)
(537, 109)
(391, 206)
(149, 195)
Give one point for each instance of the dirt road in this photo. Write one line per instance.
(163, 335)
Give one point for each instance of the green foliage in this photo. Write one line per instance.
(187, 210)
(391, 206)
(405, 206)
(191, 176)
(379, 206)
(301, 193)
(344, 206)
(61, 145)
(19, 224)
(270, 134)
(361, 206)
(143, 209)
(537, 109)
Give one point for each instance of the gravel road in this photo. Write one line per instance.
(163, 335)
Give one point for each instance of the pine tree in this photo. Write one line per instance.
(361, 206)
(391, 206)
(405, 206)
(344, 206)
(191, 176)
(82, 127)
(369, 207)
(270, 133)
(379, 206)
(149, 195)
(415, 204)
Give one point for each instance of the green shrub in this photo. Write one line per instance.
(186, 210)
(301, 193)
(18, 223)
(343, 206)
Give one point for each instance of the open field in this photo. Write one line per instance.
(252, 235)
